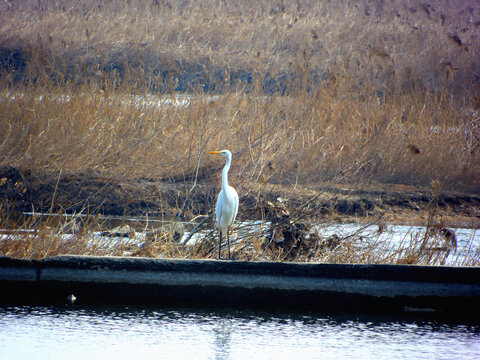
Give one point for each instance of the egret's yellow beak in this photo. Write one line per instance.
(214, 152)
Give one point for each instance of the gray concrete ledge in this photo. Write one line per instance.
(211, 282)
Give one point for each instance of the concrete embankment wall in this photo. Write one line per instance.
(210, 282)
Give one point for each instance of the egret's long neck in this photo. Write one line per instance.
(225, 174)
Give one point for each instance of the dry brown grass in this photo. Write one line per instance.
(65, 103)
(367, 91)
(41, 237)
(400, 45)
(278, 139)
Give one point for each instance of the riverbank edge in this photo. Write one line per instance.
(299, 286)
(31, 192)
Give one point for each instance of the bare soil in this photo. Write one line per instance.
(27, 191)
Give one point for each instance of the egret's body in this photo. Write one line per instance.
(227, 203)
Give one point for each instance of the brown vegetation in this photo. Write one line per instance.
(303, 94)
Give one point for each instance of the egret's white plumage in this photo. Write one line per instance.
(227, 202)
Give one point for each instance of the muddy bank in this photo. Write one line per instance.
(27, 191)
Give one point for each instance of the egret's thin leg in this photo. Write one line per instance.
(219, 244)
(228, 242)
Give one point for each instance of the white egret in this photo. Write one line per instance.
(227, 203)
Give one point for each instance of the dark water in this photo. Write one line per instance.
(73, 332)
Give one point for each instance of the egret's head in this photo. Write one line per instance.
(225, 153)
